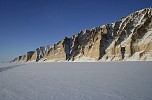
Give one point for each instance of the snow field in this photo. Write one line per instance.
(77, 81)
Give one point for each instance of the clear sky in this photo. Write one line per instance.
(28, 24)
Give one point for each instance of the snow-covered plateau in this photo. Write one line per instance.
(76, 81)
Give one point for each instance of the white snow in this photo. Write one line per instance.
(136, 57)
(10, 64)
(77, 81)
(84, 59)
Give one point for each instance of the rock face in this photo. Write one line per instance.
(26, 57)
(129, 38)
(57, 52)
(134, 37)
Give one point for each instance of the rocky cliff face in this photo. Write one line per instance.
(26, 57)
(130, 38)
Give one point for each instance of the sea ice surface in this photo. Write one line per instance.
(76, 81)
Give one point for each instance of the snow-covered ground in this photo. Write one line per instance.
(76, 81)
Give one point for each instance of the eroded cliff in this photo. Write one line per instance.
(129, 38)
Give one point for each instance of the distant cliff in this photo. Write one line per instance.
(129, 38)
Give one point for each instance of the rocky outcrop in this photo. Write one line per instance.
(38, 54)
(134, 35)
(17, 58)
(58, 52)
(129, 38)
(26, 57)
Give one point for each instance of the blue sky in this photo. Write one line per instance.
(28, 24)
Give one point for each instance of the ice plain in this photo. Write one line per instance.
(76, 81)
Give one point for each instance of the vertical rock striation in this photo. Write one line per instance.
(129, 38)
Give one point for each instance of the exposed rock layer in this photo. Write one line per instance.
(130, 38)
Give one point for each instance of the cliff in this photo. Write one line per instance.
(129, 38)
